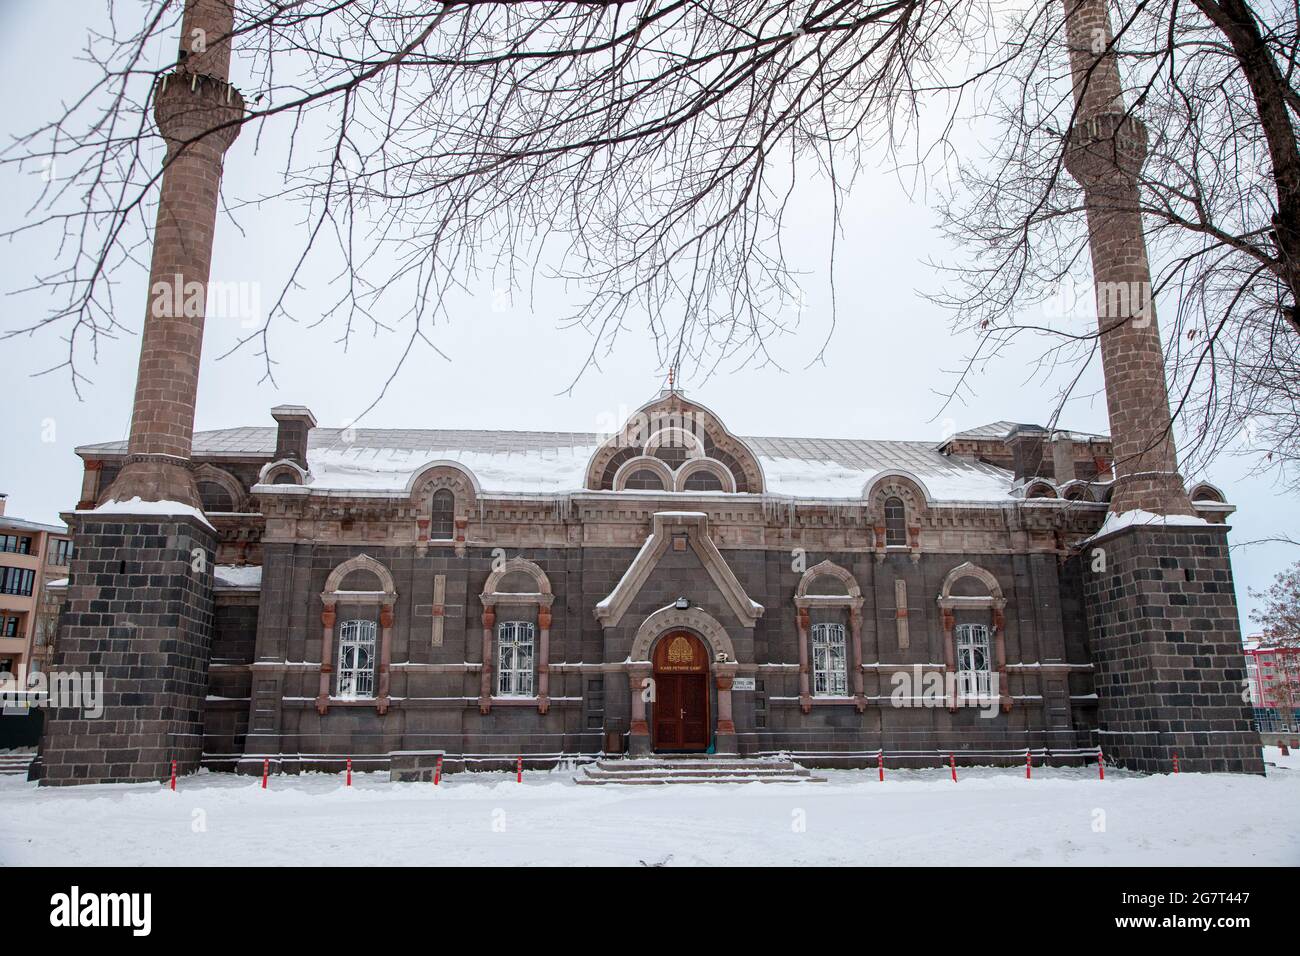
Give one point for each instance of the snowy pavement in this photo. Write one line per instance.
(989, 817)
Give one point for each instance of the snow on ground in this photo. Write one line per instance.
(990, 817)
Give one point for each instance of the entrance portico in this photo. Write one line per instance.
(680, 674)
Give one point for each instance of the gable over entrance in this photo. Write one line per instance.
(680, 530)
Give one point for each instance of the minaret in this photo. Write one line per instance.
(1162, 621)
(1106, 149)
(197, 111)
(139, 615)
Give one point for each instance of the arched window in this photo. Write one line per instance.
(973, 676)
(214, 497)
(643, 479)
(356, 667)
(829, 660)
(514, 659)
(703, 480)
(442, 524)
(895, 523)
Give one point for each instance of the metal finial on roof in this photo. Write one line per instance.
(670, 378)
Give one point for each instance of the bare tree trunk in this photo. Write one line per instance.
(1237, 22)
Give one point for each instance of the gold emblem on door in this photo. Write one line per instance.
(680, 651)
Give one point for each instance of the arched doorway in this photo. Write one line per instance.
(680, 718)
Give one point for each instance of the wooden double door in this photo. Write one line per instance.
(680, 709)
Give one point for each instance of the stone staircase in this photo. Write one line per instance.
(693, 768)
(15, 763)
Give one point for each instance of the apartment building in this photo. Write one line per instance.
(31, 555)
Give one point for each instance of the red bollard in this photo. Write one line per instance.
(1029, 766)
(437, 771)
(880, 764)
(519, 771)
(952, 761)
(1175, 761)
(173, 775)
(266, 768)
(349, 771)
(1101, 765)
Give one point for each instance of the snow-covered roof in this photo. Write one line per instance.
(372, 459)
(996, 431)
(238, 576)
(8, 523)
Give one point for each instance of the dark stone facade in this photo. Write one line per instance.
(262, 696)
(140, 612)
(1142, 661)
(1170, 673)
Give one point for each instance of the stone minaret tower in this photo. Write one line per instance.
(1162, 617)
(197, 111)
(1106, 148)
(140, 601)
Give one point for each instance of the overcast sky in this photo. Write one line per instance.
(891, 355)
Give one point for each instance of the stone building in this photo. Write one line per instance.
(302, 594)
(389, 594)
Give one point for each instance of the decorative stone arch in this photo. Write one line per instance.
(909, 489)
(712, 466)
(331, 596)
(1204, 491)
(361, 562)
(273, 471)
(1040, 488)
(226, 481)
(723, 667)
(431, 477)
(543, 597)
(667, 413)
(674, 436)
(851, 601)
(491, 588)
(1077, 490)
(673, 618)
(994, 603)
(828, 569)
(643, 463)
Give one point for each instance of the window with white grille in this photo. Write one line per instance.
(830, 663)
(515, 659)
(973, 678)
(356, 667)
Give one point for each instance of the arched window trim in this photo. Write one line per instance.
(850, 601)
(993, 604)
(271, 472)
(491, 597)
(648, 463)
(227, 482)
(331, 597)
(711, 465)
